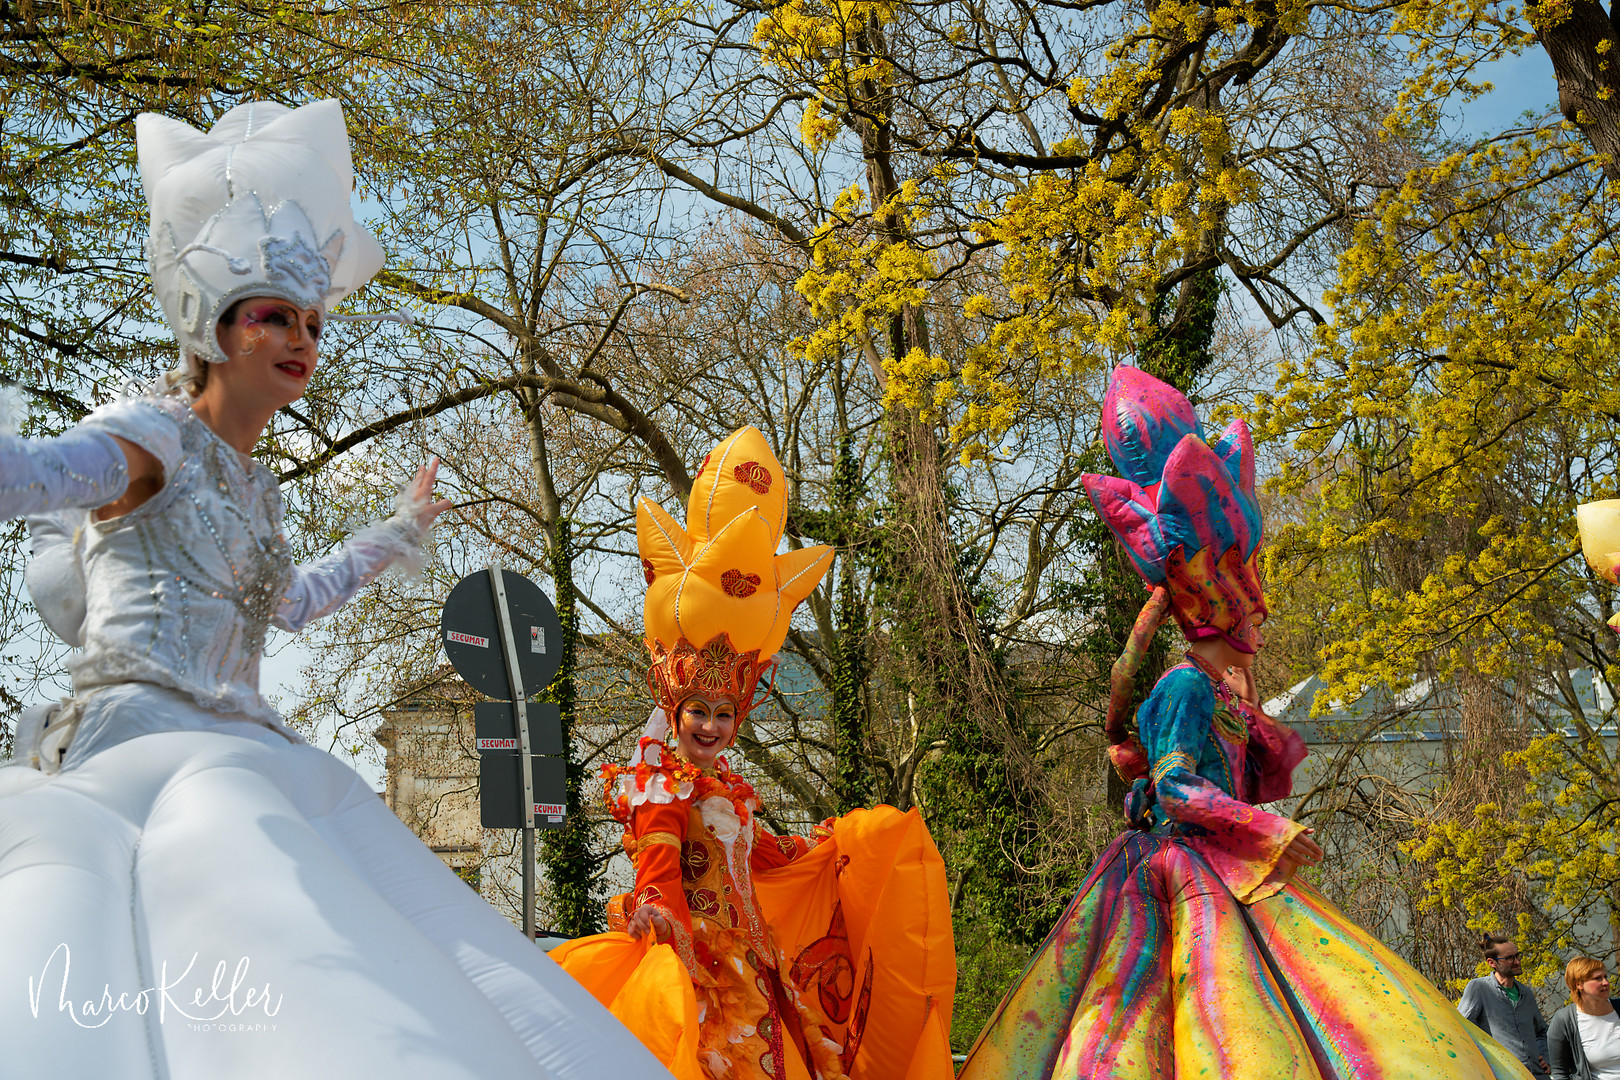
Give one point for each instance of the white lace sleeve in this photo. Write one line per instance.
(321, 587)
(80, 467)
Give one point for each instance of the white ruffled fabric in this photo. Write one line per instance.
(649, 751)
(657, 790)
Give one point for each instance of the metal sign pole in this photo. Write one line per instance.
(520, 699)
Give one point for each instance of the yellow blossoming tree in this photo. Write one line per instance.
(1456, 403)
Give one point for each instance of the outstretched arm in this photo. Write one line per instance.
(84, 466)
(114, 459)
(321, 587)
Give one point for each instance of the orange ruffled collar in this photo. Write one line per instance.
(658, 774)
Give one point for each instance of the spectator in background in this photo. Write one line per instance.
(1583, 1040)
(1505, 1007)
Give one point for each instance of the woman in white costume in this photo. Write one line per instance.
(187, 889)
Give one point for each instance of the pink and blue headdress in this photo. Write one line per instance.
(1184, 508)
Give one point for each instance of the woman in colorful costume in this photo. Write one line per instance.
(1193, 948)
(749, 955)
(189, 889)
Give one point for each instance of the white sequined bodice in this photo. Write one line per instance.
(181, 591)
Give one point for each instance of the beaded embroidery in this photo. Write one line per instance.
(209, 554)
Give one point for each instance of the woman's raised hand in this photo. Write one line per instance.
(420, 493)
(1241, 682)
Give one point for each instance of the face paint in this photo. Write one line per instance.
(278, 314)
(704, 729)
(257, 320)
(285, 316)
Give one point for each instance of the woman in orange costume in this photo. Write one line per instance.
(740, 955)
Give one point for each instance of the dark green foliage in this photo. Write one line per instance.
(571, 868)
(980, 783)
(1179, 351)
(986, 965)
(990, 823)
(853, 786)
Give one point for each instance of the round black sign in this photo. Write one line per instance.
(472, 634)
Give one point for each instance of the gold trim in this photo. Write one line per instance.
(1175, 759)
(654, 839)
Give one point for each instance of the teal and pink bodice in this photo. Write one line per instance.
(1213, 758)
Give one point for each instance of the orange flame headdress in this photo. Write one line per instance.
(719, 598)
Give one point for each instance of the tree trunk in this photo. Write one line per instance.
(849, 719)
(981, 786)
(570, 865)
(1588, 82)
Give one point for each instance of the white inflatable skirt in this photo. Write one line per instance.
(198, 905)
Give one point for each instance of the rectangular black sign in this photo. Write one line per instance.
(495, 726)
(500, 791)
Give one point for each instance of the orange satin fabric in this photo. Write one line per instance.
(646, 986)
(862, 926)
(887, 981)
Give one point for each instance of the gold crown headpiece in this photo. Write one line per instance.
(719, 598)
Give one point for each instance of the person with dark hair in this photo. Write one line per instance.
(1506, 1008)
(1583, 1039)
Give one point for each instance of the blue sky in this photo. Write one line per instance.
(1522, 83)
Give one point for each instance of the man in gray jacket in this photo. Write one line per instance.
(1505, 1007)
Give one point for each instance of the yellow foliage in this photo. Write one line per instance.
(816, 128)
(1459, 402)
(1561, 844)
(1081, 252)
(1474, 320)
(815, 36)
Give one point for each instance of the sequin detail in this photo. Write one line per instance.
(207, 552)
(78, 468)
